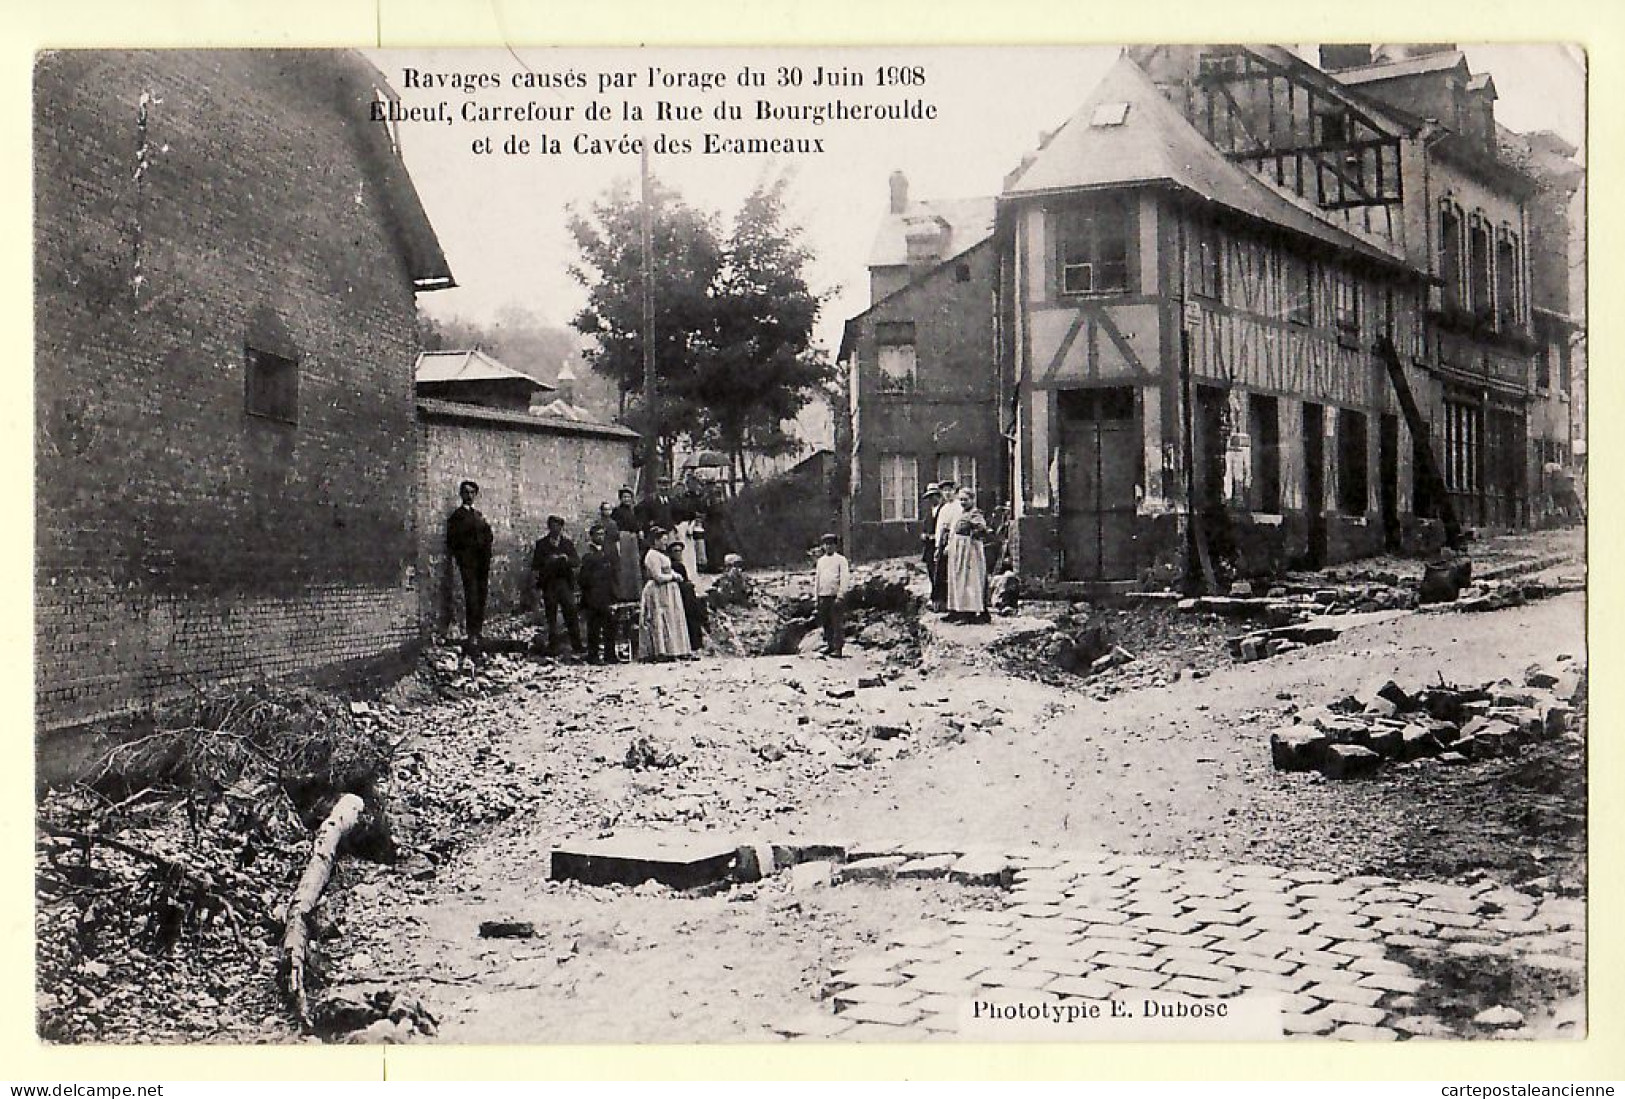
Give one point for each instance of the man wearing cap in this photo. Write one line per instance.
(554, 563)
(832, 581)
(598, 579)
(947, 518)
(468, 542)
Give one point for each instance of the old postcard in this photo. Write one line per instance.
(838, 545)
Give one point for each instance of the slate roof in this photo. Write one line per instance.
(1155, 145)
(1408, 66)
(969, 221)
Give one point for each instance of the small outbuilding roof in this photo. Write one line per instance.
(1442, 61)
(468, 366)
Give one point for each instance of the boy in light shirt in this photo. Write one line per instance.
(834, 577)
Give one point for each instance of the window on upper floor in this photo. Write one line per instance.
(1450, 269)
(1509, 309)
(271, 386)
(1092, 246)
(1478, 258)
(896, 356)
(1346, 289)
(1543, 367)
(1209, 262)
(1299, 277)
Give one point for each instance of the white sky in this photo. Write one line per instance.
(501, 219)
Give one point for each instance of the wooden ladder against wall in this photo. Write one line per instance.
(1419, 431)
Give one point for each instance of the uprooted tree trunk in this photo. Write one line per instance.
(340, 822)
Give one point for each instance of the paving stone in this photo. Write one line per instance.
(1359, 948)
(957, 969)
(921, 936)
(1021, 896)
(1131, 978)
(1322, 908)
(1204, 970)
(1038, 911)
(882, 1030)
(873, 994)
(1160, 909)
(1359, 1014)
(1324, 959)
(847, 978)
(1063, 965)
(1201, 956)
(874, 959)
(1301, 877)
(1423, 1026)
(1300, 942)
(1212, 916)
(1118, 932)
(1190, 939)
(1098, 943)
(1228, 903)
(1464, 904)
(1478, 950)
(1326, 889)
(1554, 963)
(1223, 934)
(1197, 986)
(981, 917)
(1127, 961)
(1390, 982)
(939, 1024)
(889, 1014)
(1090, 914)
(1312, 1023)
(982, 932)
(1348, 993)
(1345, 931)
(1178, 925)
(1372, 964)
(1014, 978)
(1242, 958)
(1410, 942)
(1042, 939)
(943, 986)
(1256, 870)
(1353, 1032)
(1444, 918)
(1090, 988)
(1397, 925)
(1321, 976)
(1270, 982)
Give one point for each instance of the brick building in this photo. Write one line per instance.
(920, 367)
(227, 255)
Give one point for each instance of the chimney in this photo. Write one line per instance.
(899, 192)
(565, 383)
(1347, 55)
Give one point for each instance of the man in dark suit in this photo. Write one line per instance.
(598, 568)
(468, 542)
(658, 510)
(554, 563)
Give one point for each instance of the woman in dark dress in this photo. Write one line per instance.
(693, 608)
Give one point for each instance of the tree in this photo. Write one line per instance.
(687, 265)
(733, 318)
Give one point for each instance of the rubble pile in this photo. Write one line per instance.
(1443, 723)
(1105, 651)
(162, 876)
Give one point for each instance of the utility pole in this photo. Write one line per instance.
(651, 437)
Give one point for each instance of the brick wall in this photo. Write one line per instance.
(188, 205)
(527, 469)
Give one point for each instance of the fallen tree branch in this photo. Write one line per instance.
(340, 822)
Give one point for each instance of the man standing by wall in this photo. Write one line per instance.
(468, 542)
(554, 563)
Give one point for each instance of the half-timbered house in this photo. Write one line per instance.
(1189, 340)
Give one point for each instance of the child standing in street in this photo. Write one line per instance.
(833, 579)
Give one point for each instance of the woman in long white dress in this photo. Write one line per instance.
(967, 563)
(662, 626)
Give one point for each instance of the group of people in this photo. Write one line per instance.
(637, 552)
(958, 545)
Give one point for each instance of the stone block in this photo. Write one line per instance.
(1298, 748)
(932, 866)
(881, 867)
(1345, 761)
(1556, 718)
(680, 860)
(753, 862)
(1417, 742)
(982, 869)
(1383, 739)
(792, 851)
(810, 875)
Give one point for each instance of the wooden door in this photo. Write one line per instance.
(1314, 482)
(1100, 469)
